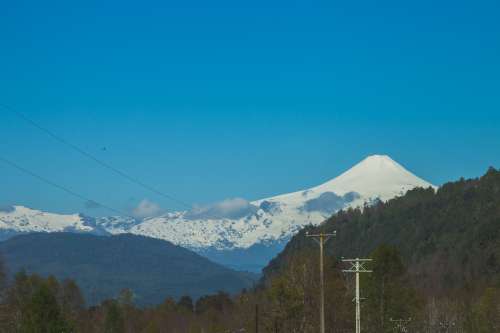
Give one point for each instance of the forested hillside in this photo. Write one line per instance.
(102, 266)
(449, 238)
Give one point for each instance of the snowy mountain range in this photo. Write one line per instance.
(238, 231)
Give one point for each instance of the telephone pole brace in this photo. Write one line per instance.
(321, 239)
(357, 267)
(400, 325)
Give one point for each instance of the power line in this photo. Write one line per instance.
(95, 159)
(63, 188)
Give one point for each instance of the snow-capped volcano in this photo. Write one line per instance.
(265, 222)
(376, 177)
(278, 218)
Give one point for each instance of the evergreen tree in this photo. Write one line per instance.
(388, 290)
(72, 301)
(114, 321)
(42, 313)
(186, 303)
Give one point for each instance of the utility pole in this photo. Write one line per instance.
(321, 239)
(357, 267)
(256, 318)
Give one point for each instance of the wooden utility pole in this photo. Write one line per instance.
(256, 318)
(321, 239)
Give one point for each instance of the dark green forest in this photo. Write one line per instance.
(449, 238)
(104, 265)
(435, 269)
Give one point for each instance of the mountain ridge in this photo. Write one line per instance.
(237, 225)
(154, 269)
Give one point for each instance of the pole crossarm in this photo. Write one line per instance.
(318, 237)
(357, 266)
(334, 233)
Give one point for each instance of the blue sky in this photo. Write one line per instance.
(208, 100)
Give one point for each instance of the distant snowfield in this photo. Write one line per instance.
(23, 219)
(268, 221)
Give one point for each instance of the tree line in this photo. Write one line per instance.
(286, 302)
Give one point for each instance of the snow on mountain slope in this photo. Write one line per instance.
(278, 218)
(377, 176)
(22, 219)
(263, 222)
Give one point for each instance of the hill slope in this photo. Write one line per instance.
(102, 266)
(450, 238)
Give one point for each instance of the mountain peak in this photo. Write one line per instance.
(379, 160)
(378, 156)
(377, 164)
(376, 174)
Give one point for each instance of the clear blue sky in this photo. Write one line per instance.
(208, 100)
